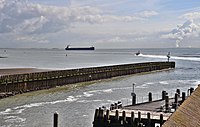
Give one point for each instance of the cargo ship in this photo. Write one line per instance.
(79, 48)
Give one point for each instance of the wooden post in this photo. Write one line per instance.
(163, 95)
(117, 115)
(101, 117)
(148, 119)
(96, 114)
(55, 120)
(150, 96)
(124, 117)
(133, 96)
(100, 113)
(191, 90)
(161, 119)
(106, 118)
(178, 91)
(167, 103)
(139, 117)
(132, 118)
(107, 115)
(176, 98)
(183, 96)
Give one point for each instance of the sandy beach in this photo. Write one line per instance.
(11, 71)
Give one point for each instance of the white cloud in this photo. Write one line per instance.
(31, 25)
(29, 22)
(185, 30)
(191, 16)
(147, 14)
(21, 14)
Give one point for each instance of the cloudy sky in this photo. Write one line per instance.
(99, 23)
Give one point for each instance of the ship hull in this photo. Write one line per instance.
(90, 48)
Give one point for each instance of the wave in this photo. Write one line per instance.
(15, 119)
(88, 101)
(172, 57)
(142, 86)
(164, 82)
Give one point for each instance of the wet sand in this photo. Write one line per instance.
(12, 71)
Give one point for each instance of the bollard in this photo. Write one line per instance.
(166, 103)
(163, 95)
(178, 91)
(55, 120)
(148, 119)
(150, 96)
(183, 97)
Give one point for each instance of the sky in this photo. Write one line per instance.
(100, 23)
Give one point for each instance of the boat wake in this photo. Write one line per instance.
(172, 57)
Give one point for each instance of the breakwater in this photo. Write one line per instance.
(20, 83)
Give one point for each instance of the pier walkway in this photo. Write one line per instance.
(148, 114)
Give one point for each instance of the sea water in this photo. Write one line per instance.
(76, 107)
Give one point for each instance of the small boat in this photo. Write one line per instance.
(80, 48)
(138, 53)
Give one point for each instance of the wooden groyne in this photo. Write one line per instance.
(20, 83)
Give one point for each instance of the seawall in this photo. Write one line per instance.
(20, 83)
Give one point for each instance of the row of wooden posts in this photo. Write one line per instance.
(20, 83)
(103, 119)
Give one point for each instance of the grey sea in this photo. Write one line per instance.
(76, 107)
